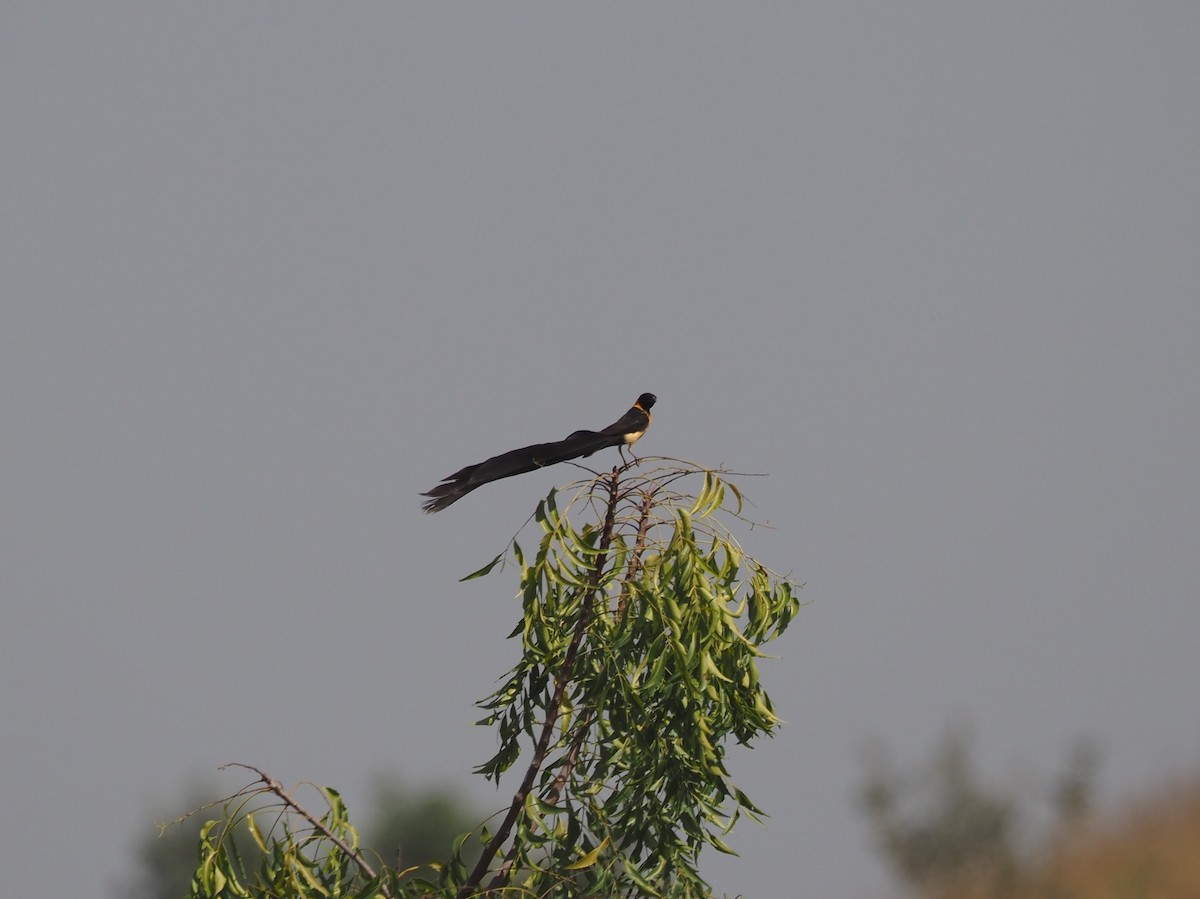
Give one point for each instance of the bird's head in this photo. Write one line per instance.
(646, 400)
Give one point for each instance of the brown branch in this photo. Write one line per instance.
(542, 747)
(274, 786)
(639, 547)
(550, 797)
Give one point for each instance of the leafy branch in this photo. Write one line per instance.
(315, 858)
(640, 644)
(641, 630)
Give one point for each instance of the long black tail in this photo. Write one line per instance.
(518, 461)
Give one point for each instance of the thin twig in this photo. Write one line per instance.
(639, 547)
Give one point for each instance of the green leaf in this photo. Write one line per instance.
(255, 833)
(590, 859)
(719, 845)
(486, 569)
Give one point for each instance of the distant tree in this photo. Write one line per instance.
(943, 831)
(165, 854)
(1074, 790)
(409, 829)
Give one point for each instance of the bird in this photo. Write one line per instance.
(623, 432)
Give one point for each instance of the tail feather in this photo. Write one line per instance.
(451, 493)
(514, 462)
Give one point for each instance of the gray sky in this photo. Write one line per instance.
(934, 269)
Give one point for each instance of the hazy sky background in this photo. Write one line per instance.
(272, 269)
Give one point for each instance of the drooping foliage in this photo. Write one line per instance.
(641, 631)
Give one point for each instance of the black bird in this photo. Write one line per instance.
(623, 432)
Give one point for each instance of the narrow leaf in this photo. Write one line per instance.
(590, 859)
(484, 570)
